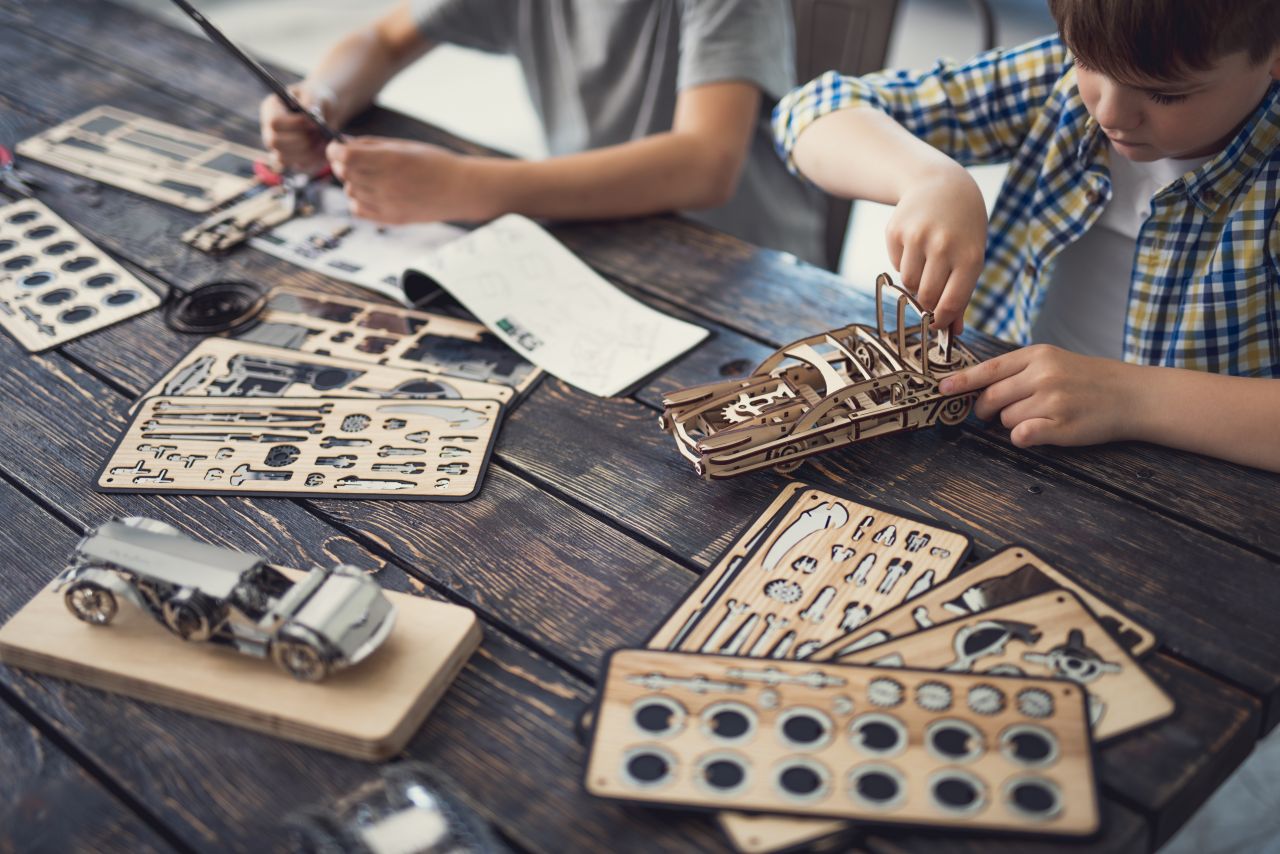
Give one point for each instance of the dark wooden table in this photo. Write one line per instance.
(588, 530)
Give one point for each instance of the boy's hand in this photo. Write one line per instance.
(937, 238)
(396, 181)
(294, 142)
(1047, 395)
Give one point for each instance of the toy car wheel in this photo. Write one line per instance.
(91, 603)
(300, 658)
(788, 466)
(956, 410)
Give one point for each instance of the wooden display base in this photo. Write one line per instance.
(368, 711)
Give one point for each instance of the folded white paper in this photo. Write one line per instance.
(553, 309)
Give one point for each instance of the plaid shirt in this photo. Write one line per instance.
(1206, 273)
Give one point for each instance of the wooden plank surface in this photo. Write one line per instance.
(575, 548)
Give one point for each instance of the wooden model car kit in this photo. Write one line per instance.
(820, 393)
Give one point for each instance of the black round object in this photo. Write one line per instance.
(1034, 797)
(57, 296)
(800, 780)
(220, 306)
(6, 245)
(40, 232)
(729, 724)
(955, 792)
(62, 247)
(723, 774)
(19, 262)
(1030, 747)
(121, 298)
(23, 216)
(647, 767)
(804, 729)
(877, 786)
(951, 741)
(75, 265)
(101, 280)
(654, 717)
(879, 736)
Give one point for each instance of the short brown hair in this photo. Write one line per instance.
(1164, 39)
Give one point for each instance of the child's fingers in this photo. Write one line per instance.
(985, 373)
(894, 244)
(954, 300)
(911, 268)
(1033, 431)
(932, 281)
(1018, 411)
(1002, 394)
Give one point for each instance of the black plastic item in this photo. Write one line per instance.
(221, 306)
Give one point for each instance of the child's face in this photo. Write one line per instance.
(1193, 116)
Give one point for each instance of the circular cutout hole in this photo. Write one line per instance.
(957, 792)
(658, 716)
(121, 298)
(878, 735)
(802, 780)
(878, 786)
(1034, 798)
(22, 217)
(1029, 745)
(101, 280)
(57, 296)
(722, 773)
(19, 262)
(729, 721)
(805, 728)
(40, 232)
(36, 280)
(79, 314)
(647, 767)
(75, 265)
(954, 741)
(62, 247)
(6, 245)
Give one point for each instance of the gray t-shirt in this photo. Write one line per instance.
(604, 72)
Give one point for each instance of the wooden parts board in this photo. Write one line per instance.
(55, 285)
(945, 750)
(368, 711)
(823, 566)
(222, 367)
(1009, 575)
(1052, 634)
(388, 335)
(339, 447)
(155, 159)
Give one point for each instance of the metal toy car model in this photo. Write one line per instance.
(330, 619)
(820, 393)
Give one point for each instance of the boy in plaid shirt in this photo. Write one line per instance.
(1137, 227)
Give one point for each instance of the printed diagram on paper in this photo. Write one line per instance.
(553, 309)
(358, 251)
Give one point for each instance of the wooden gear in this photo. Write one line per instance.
(820, 393)
(55, 285)
(368, 712)
(958, 751)
(193, 171)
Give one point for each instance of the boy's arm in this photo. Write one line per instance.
(1046, 395)
(344, 83)
(694, 165)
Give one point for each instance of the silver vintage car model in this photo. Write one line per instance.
(329, 619)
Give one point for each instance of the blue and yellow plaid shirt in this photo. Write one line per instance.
(1206, 272)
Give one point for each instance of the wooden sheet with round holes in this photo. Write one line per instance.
(55, 285)
(944, 750)
(319, 448)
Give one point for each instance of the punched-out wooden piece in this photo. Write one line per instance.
(1010, 575)
(55, 285)
(434, 450)
(883, 745)
(222, 367)
(824, 566)
(1053, 635)
(388, 335)
(368, 712)
(820, 393)
(193, 171)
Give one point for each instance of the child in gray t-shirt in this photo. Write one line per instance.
(647, 106)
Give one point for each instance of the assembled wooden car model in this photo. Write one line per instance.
(822, 392)
(329, 619)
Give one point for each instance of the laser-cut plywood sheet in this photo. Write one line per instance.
(189, 170)
(55, 285)
(338, 447)
(947, 750)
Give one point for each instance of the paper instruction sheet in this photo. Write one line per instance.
(553, 309)
(359, 251)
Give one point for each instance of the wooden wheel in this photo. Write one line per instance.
(955, 409)
(91, 603)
